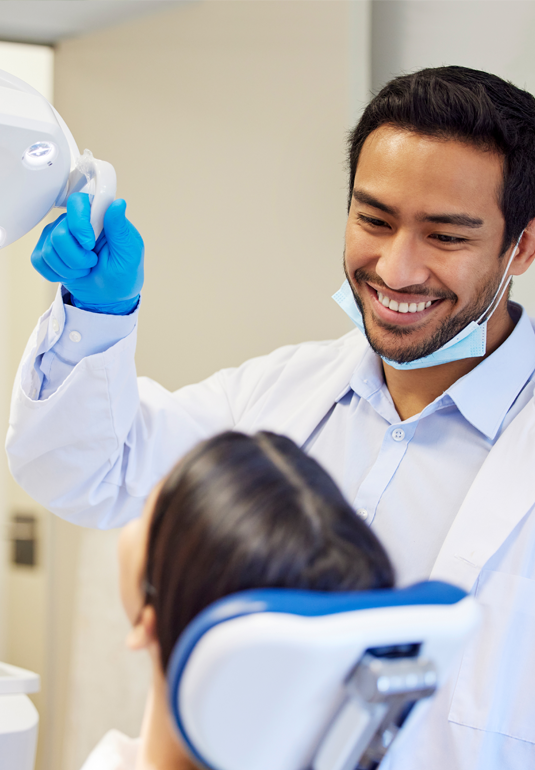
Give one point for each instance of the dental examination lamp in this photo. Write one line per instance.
(19, 720)
(40, 164)
(302, 680)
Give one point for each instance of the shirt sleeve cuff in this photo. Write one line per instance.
(64, 336)
(80, 333)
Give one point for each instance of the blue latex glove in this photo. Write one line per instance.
(105, 277)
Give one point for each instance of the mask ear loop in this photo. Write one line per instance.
(504, 283)
(148, 589)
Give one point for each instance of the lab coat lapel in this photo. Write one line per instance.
(500, 496)
(307, 389)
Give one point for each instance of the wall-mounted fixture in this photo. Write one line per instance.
(23, 536)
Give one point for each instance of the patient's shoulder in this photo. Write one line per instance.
(115, 751)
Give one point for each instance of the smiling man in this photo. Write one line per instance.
(417, 267)
(426, 419)
(425, 254)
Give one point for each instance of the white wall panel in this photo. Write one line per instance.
(492, 35)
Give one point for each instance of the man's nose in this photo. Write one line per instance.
(402, 262)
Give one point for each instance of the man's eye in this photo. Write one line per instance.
(449, 238)
(372, 221)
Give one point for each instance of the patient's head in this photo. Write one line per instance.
(241, 512)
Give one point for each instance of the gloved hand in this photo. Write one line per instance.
(105, 277)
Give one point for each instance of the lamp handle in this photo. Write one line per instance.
(98, 179)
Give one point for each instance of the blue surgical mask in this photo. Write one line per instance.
(470, 342)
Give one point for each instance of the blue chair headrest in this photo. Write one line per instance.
(275, 624)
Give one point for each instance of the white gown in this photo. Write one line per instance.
(115, 751)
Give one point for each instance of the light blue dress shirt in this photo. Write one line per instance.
(406, 484)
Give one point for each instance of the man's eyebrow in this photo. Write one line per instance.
(461, 220)
(363, 197)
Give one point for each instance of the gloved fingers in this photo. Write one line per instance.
(54, 262)
(37, 259)
(42, 268)
(124, 256)
(41, 243)
(79, 220)
(116, 226)
(68, 249)
(108, 273)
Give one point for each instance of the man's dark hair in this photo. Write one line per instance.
(470, 106)
(242, 512)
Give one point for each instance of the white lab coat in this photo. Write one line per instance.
(92, 451)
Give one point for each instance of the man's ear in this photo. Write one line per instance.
(143, 634)
(526, 251)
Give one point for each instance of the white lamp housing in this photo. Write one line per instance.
(40, 164)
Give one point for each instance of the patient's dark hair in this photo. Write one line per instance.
(473, 107)
(241, 512)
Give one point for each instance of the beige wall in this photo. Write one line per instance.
(226, 123)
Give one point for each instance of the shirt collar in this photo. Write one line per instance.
(368, 382)
(483, 396)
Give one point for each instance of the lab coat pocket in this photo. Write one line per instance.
(495, 689)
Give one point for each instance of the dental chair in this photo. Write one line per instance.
(19, 720)
(296, 680)
(276, 679)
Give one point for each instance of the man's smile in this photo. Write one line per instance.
(400, 308)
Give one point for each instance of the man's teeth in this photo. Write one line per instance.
(402, 307)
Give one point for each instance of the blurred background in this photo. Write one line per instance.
(226, 121)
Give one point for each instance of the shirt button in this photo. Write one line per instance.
(75, 336)
(362, 513)
(55, 325)
(398, 434)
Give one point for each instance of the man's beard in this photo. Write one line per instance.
(447, 330)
